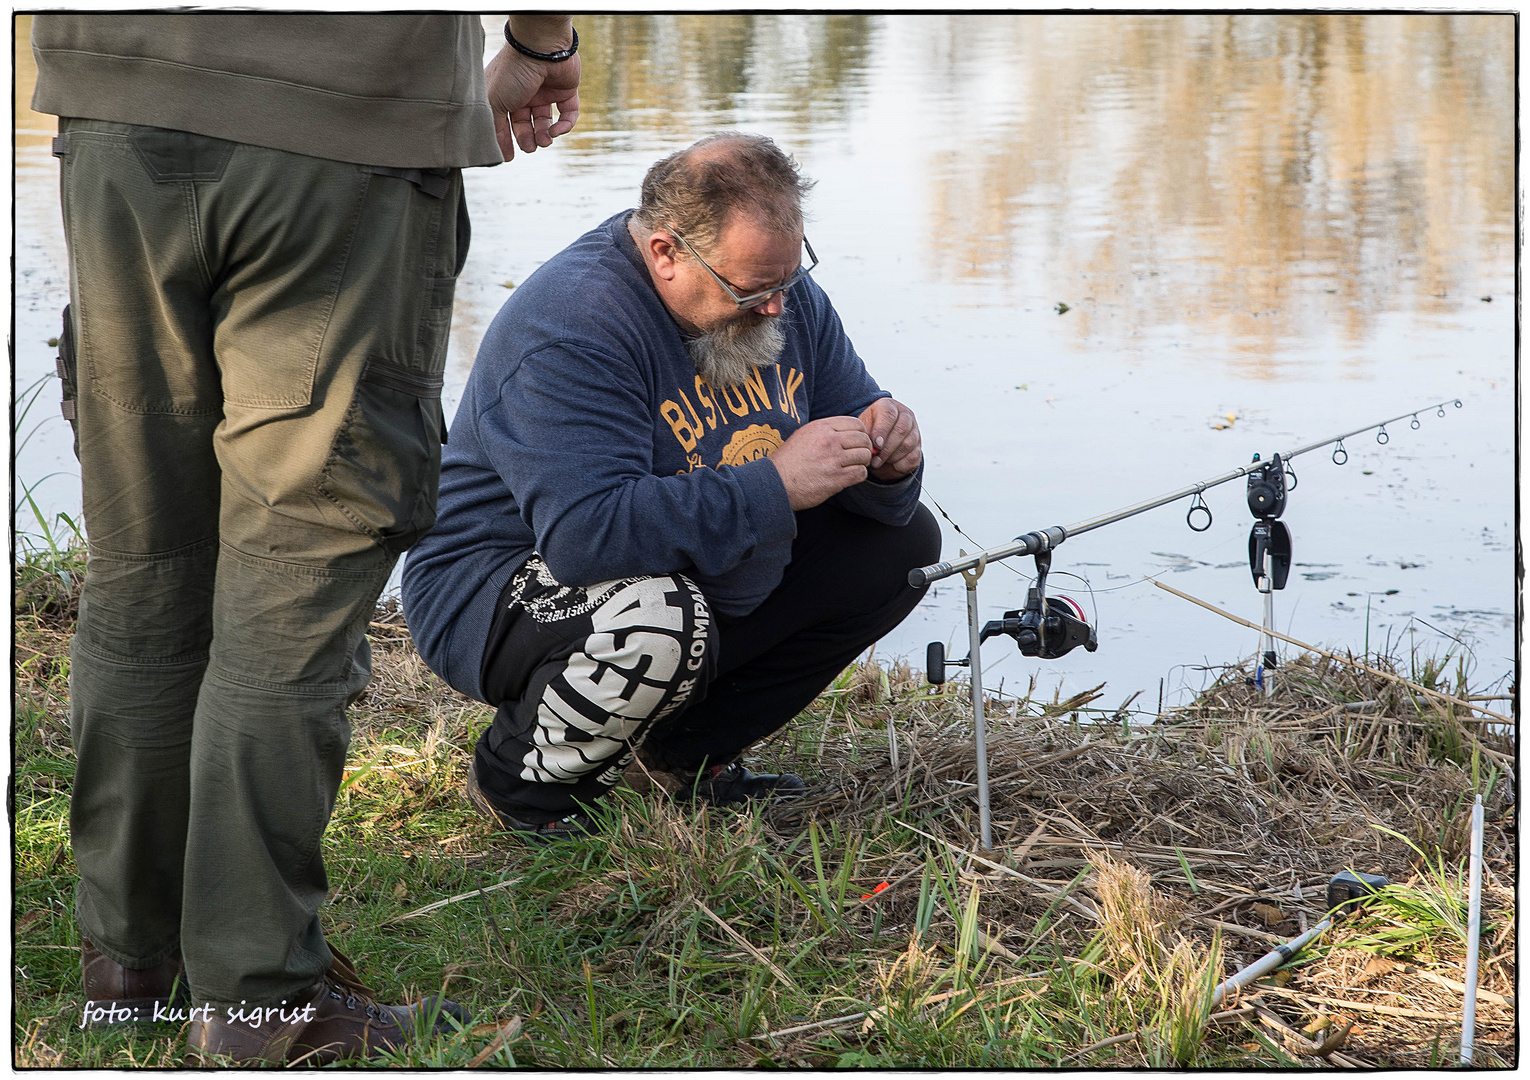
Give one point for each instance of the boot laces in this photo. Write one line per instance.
(341, 992)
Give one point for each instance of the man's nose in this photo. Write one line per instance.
(772, 305)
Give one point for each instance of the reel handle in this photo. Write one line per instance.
(935, 663)
(921, 576)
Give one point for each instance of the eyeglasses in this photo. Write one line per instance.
(757, 298)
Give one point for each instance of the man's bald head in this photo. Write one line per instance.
(697, 190)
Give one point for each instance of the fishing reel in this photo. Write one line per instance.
(1048, 627)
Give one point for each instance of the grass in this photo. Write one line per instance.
(1155, 859)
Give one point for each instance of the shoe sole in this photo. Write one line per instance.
(529, 833)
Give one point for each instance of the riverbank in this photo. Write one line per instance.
(1137, 866)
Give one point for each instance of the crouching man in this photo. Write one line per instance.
(674, 505)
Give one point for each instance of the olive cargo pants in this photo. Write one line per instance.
(258, 341)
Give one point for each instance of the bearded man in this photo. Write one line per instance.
(674, 504)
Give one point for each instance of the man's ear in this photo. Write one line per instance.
(662, 254)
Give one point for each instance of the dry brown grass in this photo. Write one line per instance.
(1262, 799)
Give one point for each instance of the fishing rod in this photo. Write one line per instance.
(1052, 626)
(1045, 539)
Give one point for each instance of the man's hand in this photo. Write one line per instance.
(822, 458)
(523, 91)
(894, 437)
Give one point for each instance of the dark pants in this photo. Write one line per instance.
(258, 340)
(582, 677)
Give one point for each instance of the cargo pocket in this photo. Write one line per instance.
(435, 327)
(385, 466)
(68, 369)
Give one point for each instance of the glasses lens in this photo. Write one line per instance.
(756, 299)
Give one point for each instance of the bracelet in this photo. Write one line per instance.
(546, 58)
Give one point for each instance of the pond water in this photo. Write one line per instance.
(1103, 257)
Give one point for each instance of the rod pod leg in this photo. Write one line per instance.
(1267, 639)
(979, 722)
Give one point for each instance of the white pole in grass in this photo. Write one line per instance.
(1473, 935)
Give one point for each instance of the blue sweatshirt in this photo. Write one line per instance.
(585, 435)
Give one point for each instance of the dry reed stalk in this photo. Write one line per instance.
(1351, 661)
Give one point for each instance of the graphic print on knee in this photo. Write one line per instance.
(642, 660)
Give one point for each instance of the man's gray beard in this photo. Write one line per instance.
(728, 355)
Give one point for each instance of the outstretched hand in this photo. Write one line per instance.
(522, 94)
(896, 444)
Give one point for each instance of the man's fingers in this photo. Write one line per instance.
(879, 418)
(520, 123)
(889, 446)
(907, 460)
(568, 116)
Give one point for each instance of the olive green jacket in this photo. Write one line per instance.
(401, 90)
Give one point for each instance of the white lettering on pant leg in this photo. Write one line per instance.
(555, 758)
(617, 680)
(643, 603)
(626, 684)
(551, 759)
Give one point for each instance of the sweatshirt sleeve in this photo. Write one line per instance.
(574, 429)
(843, 387)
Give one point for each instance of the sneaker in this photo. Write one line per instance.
(733, 784)
(575, 826)
(115, 994)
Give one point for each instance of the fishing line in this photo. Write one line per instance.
(925, 489)
(1442, 633)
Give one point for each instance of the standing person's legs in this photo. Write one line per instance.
(306, 305)
(846, 586)
(148, 403)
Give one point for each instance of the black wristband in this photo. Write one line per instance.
(546, 58)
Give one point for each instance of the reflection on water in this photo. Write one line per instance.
(677, 75)
(31, 129)
(1195, 166)
(1267, 177)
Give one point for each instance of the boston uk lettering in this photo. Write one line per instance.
(686, 421)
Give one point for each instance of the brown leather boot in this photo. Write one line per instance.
(335, 1020)
(115, 994)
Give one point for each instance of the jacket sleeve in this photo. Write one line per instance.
(843, 387)
(574, 429)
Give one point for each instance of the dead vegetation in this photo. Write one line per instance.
(1232, 814)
